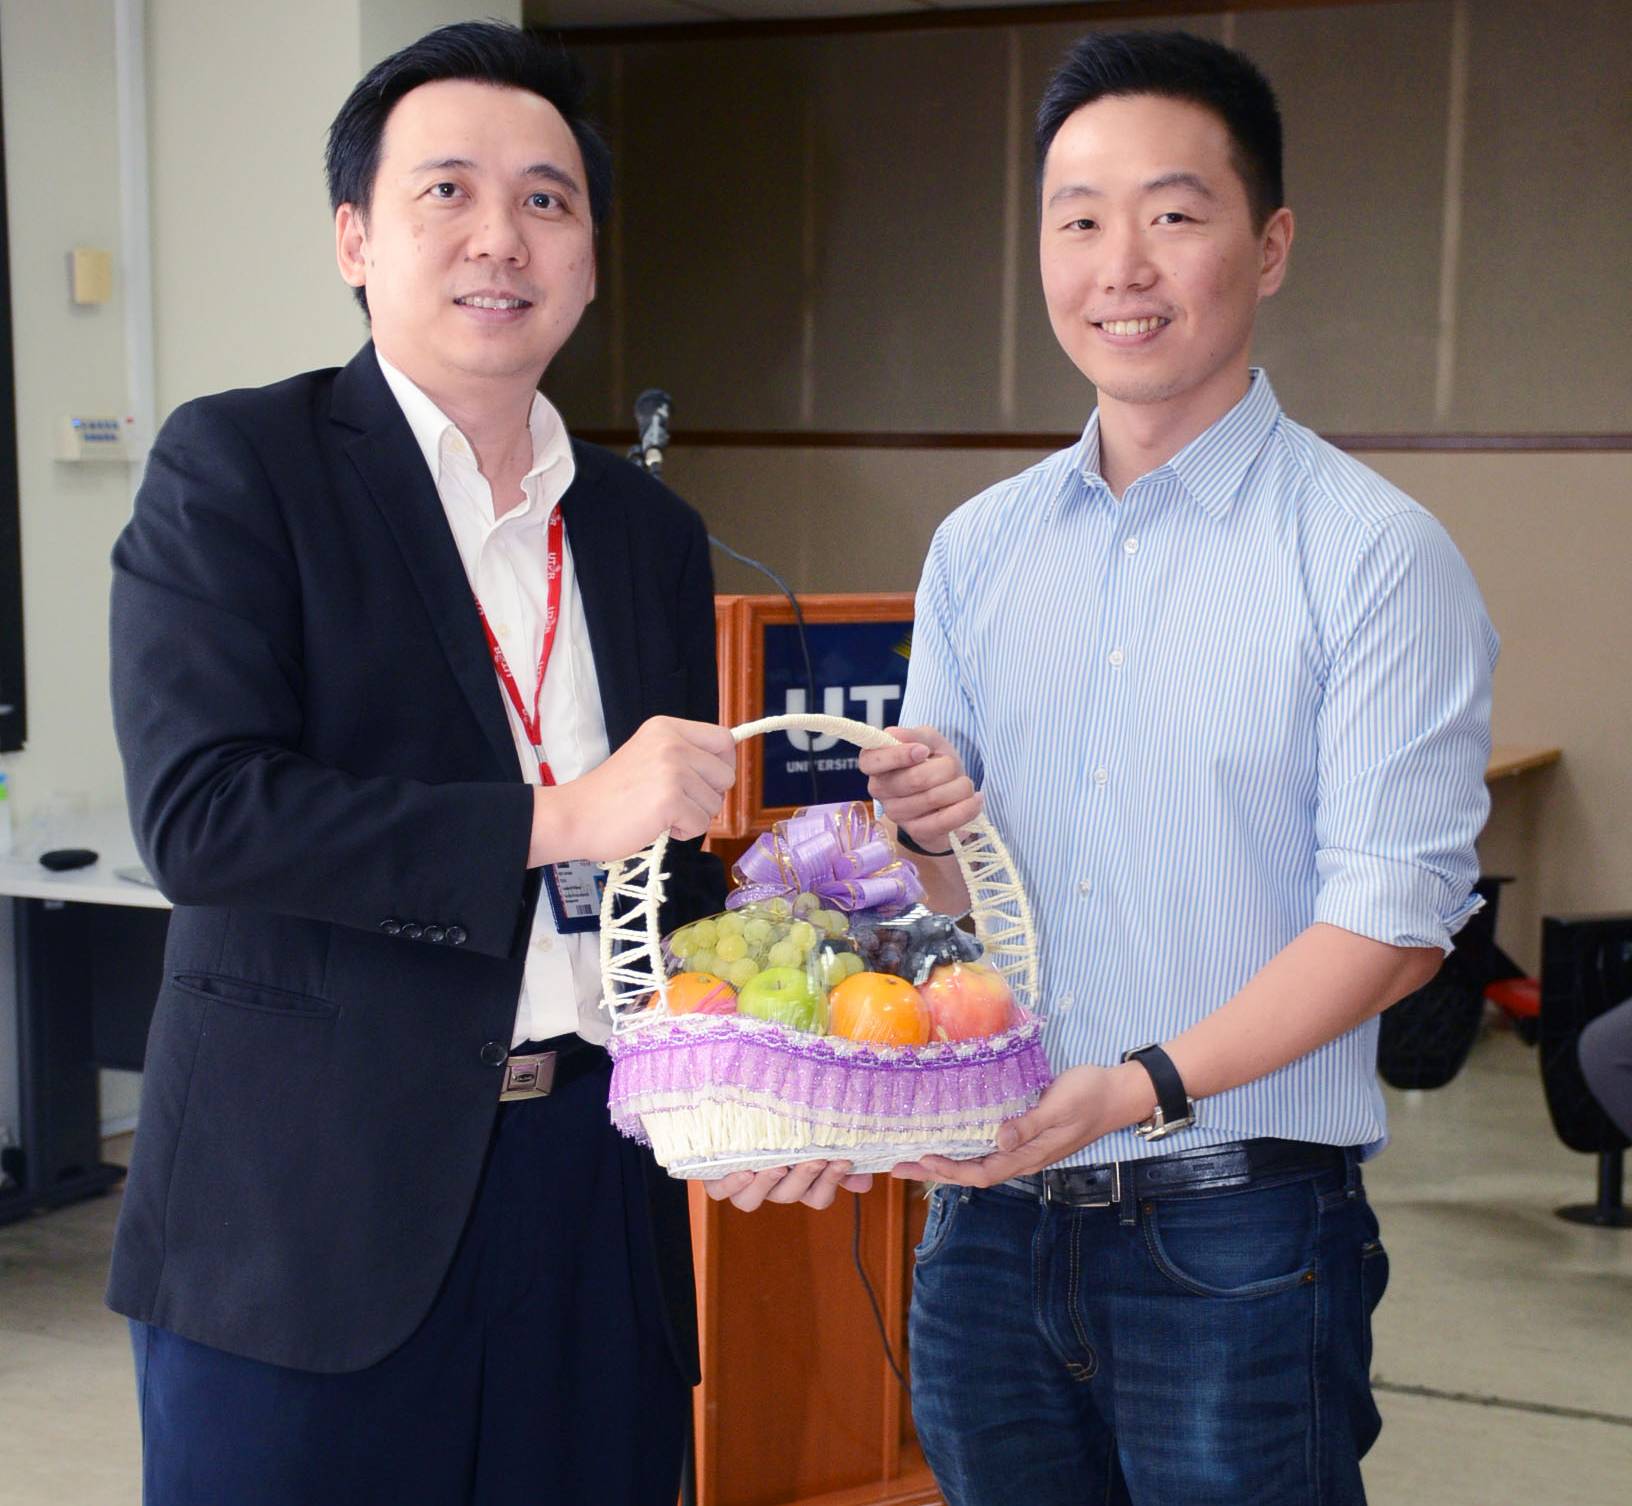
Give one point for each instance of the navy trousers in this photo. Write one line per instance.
(542, 1373)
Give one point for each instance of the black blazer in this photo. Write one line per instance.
(314, 745)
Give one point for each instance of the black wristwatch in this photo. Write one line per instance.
(1174, 1108)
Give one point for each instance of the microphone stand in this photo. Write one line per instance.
(647, 453)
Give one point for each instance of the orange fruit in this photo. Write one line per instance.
(881, 1008)
(701, 993)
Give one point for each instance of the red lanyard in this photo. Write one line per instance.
(552, 615)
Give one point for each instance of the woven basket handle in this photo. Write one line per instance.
(632, 947)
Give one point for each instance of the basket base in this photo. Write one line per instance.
(863, 1158)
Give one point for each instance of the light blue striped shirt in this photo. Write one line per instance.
(1252, 695)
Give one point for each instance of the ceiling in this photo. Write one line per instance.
(673, 12)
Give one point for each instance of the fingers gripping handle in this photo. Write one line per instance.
(859, 733)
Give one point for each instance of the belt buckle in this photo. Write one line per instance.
(1114, 1198)
(528, 1077)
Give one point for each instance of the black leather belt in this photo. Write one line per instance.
(535, 1069)
(1208, 1167)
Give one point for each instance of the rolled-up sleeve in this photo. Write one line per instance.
(1404, 741)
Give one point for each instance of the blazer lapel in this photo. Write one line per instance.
(393, 469)
(598, 536)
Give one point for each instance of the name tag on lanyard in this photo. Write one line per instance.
(574, 887)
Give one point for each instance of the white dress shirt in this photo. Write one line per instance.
(504, 561)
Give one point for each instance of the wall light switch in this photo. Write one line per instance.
(90, 275)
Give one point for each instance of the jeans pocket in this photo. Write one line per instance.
(944, 1202)
(1250, 1243)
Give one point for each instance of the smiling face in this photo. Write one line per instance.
(477, 251)
(1152, 268)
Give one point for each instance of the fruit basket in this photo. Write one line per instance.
(718, 1082)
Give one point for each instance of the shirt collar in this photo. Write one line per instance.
(437, 435)
(1210, 468)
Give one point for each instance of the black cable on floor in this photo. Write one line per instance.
(872, 1298)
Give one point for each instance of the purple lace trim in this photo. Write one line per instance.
(722, 1058)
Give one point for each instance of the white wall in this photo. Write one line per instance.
(245, 292)
(62, 190)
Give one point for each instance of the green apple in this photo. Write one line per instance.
(786, 996)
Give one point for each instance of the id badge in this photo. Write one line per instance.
(575, 890)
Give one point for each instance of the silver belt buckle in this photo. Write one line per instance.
(1104, 1202)
(528, 1077)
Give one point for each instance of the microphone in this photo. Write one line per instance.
(652, 425)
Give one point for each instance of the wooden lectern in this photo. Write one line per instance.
(798, 1405)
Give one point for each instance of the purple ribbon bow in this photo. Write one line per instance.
(837, 852)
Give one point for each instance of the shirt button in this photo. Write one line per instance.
(1066, 1001)
(413, 930)
(390, 925)
(1130, 546)
(1084, 887)
(542, 943)
(456, 935)
(1117, 657)
(1100, 776)
(494, 1053)
(436, 934)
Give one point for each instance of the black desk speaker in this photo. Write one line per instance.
(1586, 969)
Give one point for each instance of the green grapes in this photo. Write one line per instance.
(731, 947)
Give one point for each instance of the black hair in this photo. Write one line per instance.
(487, 52)
(1176, 65)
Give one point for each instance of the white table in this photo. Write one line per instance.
(89, 956)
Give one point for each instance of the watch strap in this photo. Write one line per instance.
(1174, 1110)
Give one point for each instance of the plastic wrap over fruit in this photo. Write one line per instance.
(779, 958)
(912, 944)
(968, 1000)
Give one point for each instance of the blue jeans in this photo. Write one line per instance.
(1211, 1348)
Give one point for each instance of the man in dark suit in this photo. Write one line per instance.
(393, 660)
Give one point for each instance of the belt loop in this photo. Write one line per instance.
(1351, 1171)
(1127, 1204)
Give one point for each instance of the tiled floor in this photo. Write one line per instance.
(1503, 1348)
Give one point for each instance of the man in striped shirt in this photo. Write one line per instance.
(1226, 694)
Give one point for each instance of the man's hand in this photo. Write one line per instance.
(670, 776)
(1077, 1108)
(813, 1183)
(921, 785)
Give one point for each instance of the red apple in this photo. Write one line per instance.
(966, 1000)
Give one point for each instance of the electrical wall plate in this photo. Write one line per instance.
(96, 437)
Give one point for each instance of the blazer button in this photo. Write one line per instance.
(436, 934)
(413, 930)
(494, 1053)
(391, 925)
(456, 935)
